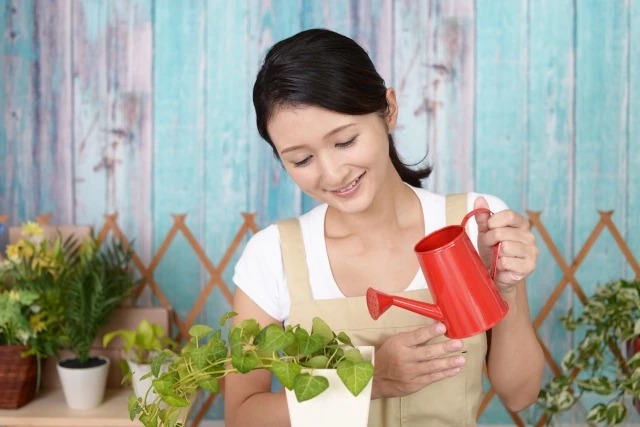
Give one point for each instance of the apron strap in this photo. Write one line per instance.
(294, 260)
(456, 208)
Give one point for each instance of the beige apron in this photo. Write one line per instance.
(451, 402)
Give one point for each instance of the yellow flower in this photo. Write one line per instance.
(37, 324)
(14, 295)
(31, 228)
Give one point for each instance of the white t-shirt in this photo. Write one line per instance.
(260, 272)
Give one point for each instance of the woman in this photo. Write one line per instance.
(328, 116)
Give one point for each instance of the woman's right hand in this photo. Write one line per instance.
(409, 361)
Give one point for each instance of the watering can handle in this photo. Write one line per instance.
(496, 247)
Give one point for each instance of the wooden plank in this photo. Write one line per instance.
(94, 161)
(411, 28)
(500, 144)
(450, 96)
(53, 127)
(179, 143)
(501, 99)
(277, 195)
(20, 188)
(632, 235)
(551, 131)
(601, 133)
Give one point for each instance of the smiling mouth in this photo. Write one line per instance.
(350, 186)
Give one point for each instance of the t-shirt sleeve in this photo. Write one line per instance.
(259, 272)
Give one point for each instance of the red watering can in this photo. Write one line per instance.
(465, 297)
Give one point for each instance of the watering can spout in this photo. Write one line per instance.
(379, 302)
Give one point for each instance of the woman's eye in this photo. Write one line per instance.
(302, 162)
(346, 144)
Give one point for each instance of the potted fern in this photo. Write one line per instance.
(606, 361)
(98, 284)
(310, 365)
(140, 345)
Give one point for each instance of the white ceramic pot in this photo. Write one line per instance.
(84, 388)
(142, 386)
(336, 406)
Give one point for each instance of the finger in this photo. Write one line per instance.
(508, 218)
(519, 267)
(438, 350)
(513, 249)
(482, 218)
(424, 334)
(433, 377)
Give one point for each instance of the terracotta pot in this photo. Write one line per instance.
(633, 347)
(18, 376)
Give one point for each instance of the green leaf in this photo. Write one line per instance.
(210, 384)
(598, 384)
(228, 315)
(307, 387)
(597, 413)
(244, 362)
(317, 362)
(199, 331)
(275, 338)
(308, 344)
(157, 362)
(565, 400)
(321, 328)
(616, 412)
(354, 355)
(355, 375)
(344, 338)
(286, 372)
(133, 403)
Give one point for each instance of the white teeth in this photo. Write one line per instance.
(353, 184)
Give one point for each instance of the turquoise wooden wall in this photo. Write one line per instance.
(143, 108)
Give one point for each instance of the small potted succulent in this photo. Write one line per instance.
(302, 361)
(140, 345)
(606, 361)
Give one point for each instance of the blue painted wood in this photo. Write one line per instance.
(500, 103)
(501, 115)
(19, 107)
(179, 135)
(5, 13)
(550, 157)
(632, 235)
(601, 132)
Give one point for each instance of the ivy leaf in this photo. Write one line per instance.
(157, 362)
(307, 387)
(317, 362)
(344, 339)
(228, 315)
(244, 362)
(354, 355)
(597, 413)
(308, 344)
(616, 412)
(210, 384)
(599, 384)
(133, 403)
(355, 375)
(199, 331)
(275, 338)
(321, 328)
(286, 373)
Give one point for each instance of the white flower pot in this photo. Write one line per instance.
(142, 386)
(84, 388)
(336, 406)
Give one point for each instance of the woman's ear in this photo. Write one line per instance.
(392, 114)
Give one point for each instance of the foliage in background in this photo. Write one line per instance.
(141, 343)
(610, 319)
(290, 354)
(100, 282)
(31, 287)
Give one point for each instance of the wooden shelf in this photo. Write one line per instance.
(50, 409)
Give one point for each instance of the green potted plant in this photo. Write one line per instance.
(31, 280)
(300, 360)
(98, 284)
(140, 345)
(610, 322)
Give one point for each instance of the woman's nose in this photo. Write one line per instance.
(333, 172)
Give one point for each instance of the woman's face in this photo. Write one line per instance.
(338, 159)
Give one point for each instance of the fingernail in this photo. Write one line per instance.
(459, 361)
(456, 345)
(440, 328)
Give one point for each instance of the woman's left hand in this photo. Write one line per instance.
(518, 250)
